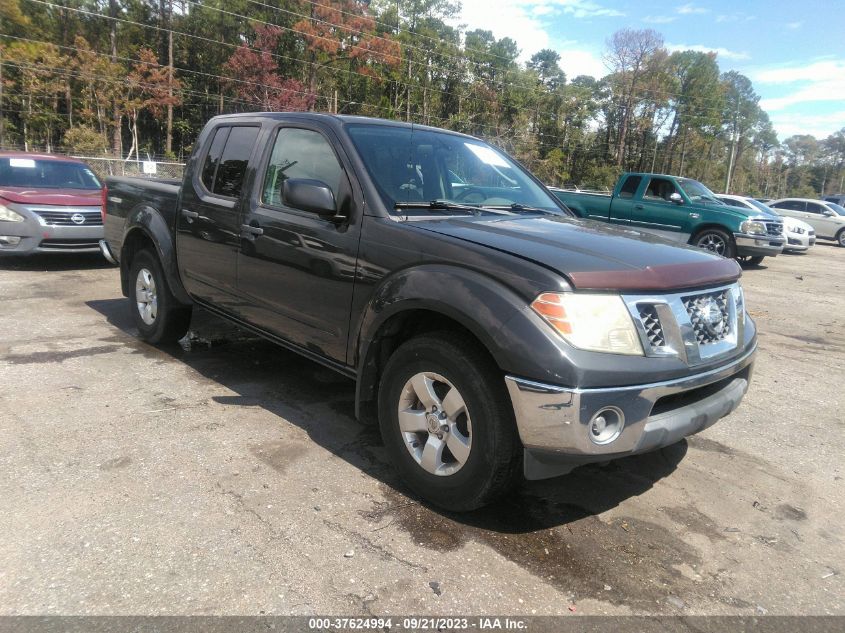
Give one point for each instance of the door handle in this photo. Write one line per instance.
(638, 206)
(253, 230)
(191, 215)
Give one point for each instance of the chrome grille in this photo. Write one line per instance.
(774, 228)
(651, 323)
(65, 217)
(709, 316)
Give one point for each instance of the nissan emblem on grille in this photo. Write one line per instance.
(709, 316)
(78, 218)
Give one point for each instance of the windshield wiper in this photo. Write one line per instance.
(517, 207)
(438, 205)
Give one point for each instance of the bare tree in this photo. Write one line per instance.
(629, 54)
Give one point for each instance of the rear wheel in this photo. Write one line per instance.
(447, 423)
(717, 241)
(157, 315)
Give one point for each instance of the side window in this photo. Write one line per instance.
(659, 189)
(300, 153)
(630, 186)
(234, 161)
(212, 159)
(813, 207)
(790, 205)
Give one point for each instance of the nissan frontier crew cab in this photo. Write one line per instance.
(684, 210)
(490, 334)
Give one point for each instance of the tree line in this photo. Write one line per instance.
(138, 78)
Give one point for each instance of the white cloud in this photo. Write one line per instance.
(819, 125)
(659, 19)
(819, 81)
(724, 53)
(527, 21)
(734, 17)
(794, 25)
(691, 9)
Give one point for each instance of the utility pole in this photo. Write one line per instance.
(731, 158)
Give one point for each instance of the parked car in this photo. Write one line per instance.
(838, 198)
(48, 204)
(799, 235)
(683, 210)
(490, 340)
(827, 218)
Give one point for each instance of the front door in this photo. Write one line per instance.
(208, 226)
(818, 217)
(656, 213)
(296, 270)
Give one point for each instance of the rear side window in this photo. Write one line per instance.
(233, 163)
(212, 159)
(813, 207)
(791, 205)
(225, 165)
(630, 186)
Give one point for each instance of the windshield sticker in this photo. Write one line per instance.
(26, 163)
(487, 155)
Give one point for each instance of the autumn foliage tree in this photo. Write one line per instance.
(255, 77)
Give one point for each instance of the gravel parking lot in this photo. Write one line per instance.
(230, 477)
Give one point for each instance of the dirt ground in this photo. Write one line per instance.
(230, 477)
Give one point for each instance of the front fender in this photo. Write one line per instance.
(494, 313)
(150, 222)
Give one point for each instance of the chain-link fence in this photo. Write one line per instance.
(145, 168)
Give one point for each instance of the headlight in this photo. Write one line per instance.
(7, 215)
(595, 322)
(753, 227)
(798, 230)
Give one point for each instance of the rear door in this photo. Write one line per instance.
(652, 210)
(208, 224)
(794, 209)
(622, 204)
(296, 270)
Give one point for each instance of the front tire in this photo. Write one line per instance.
(717, 241)
(157, 315)
(752, 261)
(840, 238)
(447, 422)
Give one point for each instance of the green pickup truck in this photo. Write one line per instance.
(683, 210)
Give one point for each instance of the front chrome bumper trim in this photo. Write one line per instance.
(555, 419)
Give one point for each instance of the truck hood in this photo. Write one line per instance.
(58, 197)
(593, 255)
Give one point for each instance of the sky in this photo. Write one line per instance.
(794, 52)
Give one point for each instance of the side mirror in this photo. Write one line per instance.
(827, 212)
(676, 198)
(309, 195)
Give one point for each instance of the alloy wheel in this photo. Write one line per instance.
(435, 424)
(146, 298)
(712, 242)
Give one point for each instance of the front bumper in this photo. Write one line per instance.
(554, 422)
(799, 242)
(33, 235)
(756, 245)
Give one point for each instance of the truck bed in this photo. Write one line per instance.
(128, 195)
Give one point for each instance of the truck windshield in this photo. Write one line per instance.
(697, 192)
(411, 165)
(38, 173)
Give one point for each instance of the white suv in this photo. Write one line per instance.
(799, 235)
(828, 218)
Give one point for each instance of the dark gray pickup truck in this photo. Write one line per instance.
(492, 335)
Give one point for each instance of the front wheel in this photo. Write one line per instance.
(157, 315)
(447, 422)
(752, 261)
(717, 241)
(840, 238)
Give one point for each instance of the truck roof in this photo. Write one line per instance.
(332, 119)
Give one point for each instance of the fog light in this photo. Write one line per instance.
(606, 425)
(9, 240)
